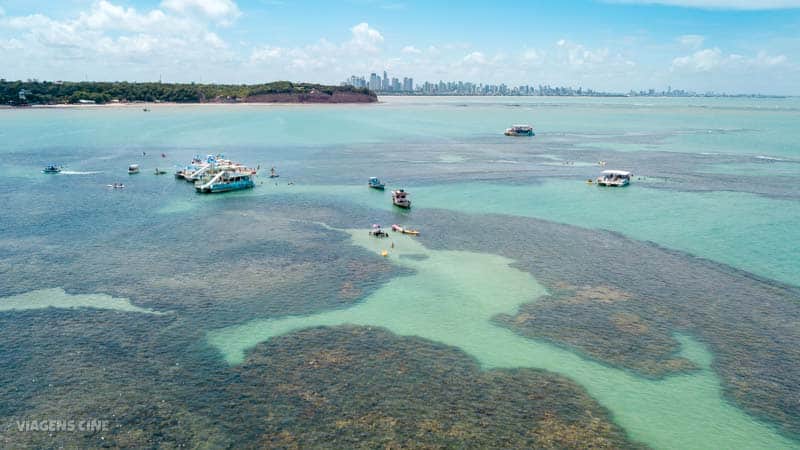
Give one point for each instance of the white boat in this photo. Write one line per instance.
(133, 168)
(519, 130)
(400, 198)
(617, 178)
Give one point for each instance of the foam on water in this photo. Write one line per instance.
(452, 298)
(58, 298)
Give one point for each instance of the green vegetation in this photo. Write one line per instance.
(48, 93)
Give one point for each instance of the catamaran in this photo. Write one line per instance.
(226, 180)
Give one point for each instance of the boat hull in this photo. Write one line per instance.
(612, 183)
(226, 187)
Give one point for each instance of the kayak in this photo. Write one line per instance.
(403, 230)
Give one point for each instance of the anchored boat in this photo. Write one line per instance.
(400, 198)
(226, 180)
(519, 130)
(616, 178)
(377, 231)
(375, 183)
(133, 169)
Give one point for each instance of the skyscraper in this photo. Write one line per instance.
(374, 82)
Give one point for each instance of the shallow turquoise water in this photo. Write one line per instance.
(452, 299)
(713, 186)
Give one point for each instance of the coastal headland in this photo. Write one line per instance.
(27, 93)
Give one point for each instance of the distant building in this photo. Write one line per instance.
(374, 82)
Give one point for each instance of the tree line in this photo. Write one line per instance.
(49, 92)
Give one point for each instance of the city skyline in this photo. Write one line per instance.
(393, 86)
(732, 46)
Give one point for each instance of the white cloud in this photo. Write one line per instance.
(365, 38)
(577, 55)
(410, 49)
(719, 4)
(111, 39)
(475, 58)
(531, 55)
(713, 59)
(691, 40)
(265, 54)
(700, 61)
(222, 11)
(764, 60)
(323, 59)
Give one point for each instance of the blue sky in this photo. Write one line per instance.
(723, 45)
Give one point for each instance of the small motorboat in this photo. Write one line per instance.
(405, 230)
(400, 198)
(51, 168)
(615, 178)
(160, 172)
(378, 232)
(375, 183)
(116, 186)
(519, 130)
(273, 173)
(133, 169)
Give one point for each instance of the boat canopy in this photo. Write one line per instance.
(622, 173)
(133, 166)
(521, 126)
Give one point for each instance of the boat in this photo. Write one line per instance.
(400, 198)
(133, 169)
(272, 173)
(51, 168)
(226, 180)
(519, 130)
(377, 231)
(404, 230)
(160, 172)
(375, 183)
(116, 186)
(616, 178)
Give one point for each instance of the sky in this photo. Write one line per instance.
(732, 46)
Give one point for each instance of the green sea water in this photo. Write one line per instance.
(713, 181)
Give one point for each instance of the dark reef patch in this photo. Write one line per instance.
(625, 313)
(343, 387)
(356, 387)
